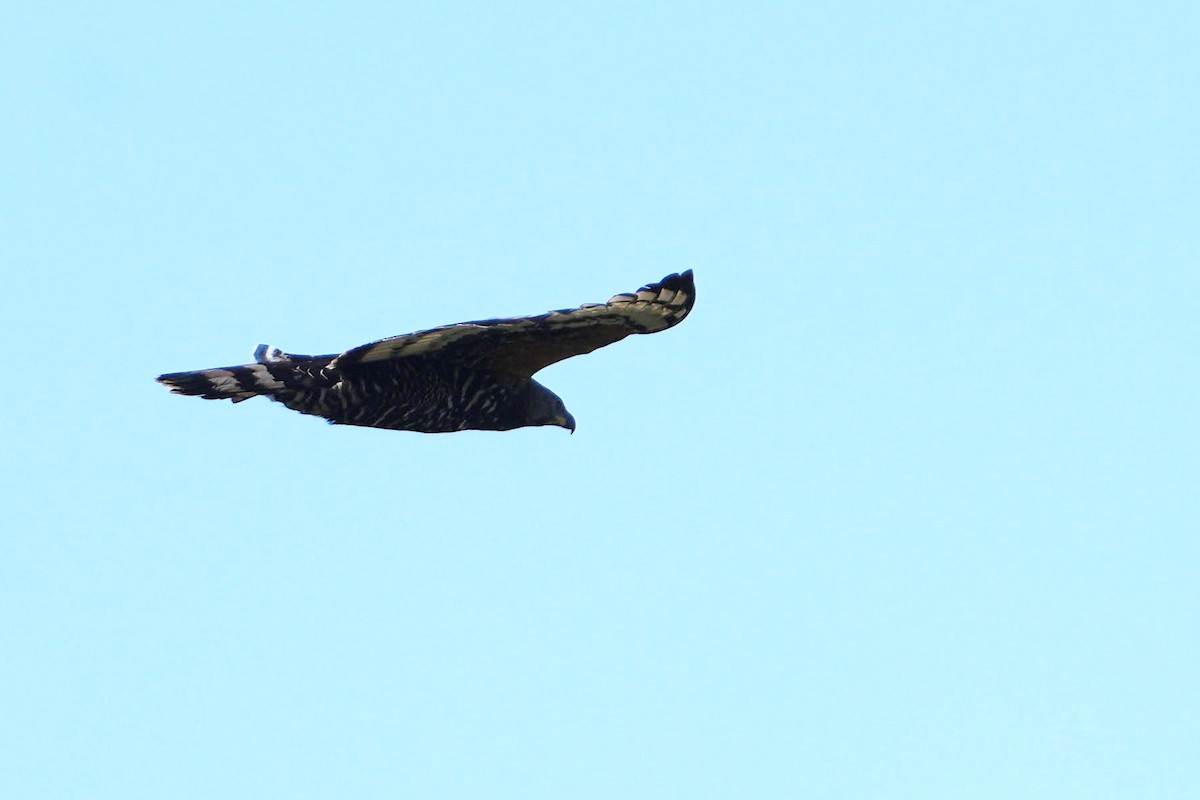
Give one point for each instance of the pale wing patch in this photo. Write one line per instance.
(264, 378)
(222, 380)
(652, 308)
(410, 344)
(266, 354)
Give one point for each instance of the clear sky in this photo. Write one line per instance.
(907, 508)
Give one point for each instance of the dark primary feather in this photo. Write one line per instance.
(471, 375)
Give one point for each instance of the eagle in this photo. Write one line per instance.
(467, 376)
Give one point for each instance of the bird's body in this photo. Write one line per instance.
(469, 376)
(415, 394)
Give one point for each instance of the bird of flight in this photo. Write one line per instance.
(467, 376)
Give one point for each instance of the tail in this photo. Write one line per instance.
(274, 373)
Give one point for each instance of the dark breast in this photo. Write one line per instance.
(413, 394)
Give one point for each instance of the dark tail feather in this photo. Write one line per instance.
(276, 372)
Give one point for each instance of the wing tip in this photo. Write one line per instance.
(681, 282)
(668, 291)
(665, 292)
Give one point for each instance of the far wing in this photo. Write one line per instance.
(520, 346)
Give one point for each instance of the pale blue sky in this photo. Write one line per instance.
(907, 508)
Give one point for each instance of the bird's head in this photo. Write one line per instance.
(546, 408)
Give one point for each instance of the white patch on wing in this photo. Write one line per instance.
(265, 354)
(264, 378)
(415, 343)
(650, 309)
(222, 380)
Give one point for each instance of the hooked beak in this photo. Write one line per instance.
(565, 420)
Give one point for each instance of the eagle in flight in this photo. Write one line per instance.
(469, 376)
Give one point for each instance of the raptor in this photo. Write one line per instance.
(466, 376)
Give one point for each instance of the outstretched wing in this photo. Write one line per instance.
(520, 346)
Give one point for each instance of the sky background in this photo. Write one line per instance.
(907, 507)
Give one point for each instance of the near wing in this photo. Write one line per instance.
(520, 346)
